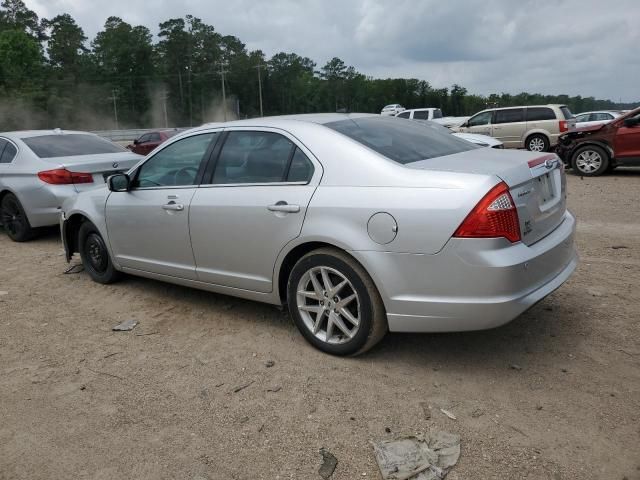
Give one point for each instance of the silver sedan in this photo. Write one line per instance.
(39, 169)
(362, 224)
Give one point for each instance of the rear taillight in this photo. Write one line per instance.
(563, 126)
(62, 176)
(494, 216)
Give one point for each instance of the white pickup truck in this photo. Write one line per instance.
(420, 114)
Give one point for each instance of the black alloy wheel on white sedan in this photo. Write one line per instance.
(335, 304)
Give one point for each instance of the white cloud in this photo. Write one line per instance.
(585, 47)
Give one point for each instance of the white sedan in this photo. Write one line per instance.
(588, 119)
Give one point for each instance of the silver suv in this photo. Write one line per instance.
(535, 128)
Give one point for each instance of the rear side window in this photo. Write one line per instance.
(421, 115)
(70, 145)
(537, 114)
(402, 142)
(301, 169)
(509, 116)
(7, 151)
(567, 113)
(437, 113)
(404, 115)
(253, 157)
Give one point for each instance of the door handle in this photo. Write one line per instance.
(284, 207)
(176, 207)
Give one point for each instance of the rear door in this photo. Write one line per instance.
(149, 225)
(260, 186)
(509, 126)
(627, 140)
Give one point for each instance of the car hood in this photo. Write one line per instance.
(478, 139)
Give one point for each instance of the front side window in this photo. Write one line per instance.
(253, 157)
(437, 113)
(480, 119)
(402, 142)
(537, 114)
(144, 138)
(70, 144)
(583, 118)
(404, 115)
(421, 115)
(176, 165)
(154, 137)
(510, 115)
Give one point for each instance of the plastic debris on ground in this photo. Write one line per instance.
(421, 457)
(125, 326)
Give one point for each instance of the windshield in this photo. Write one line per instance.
(70, 145)
(403, 141)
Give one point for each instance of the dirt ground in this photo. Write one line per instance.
(553, 395)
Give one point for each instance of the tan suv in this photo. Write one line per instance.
(535, 128)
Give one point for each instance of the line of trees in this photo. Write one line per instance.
(52, 76)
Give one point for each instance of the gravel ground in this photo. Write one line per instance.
(553, 395)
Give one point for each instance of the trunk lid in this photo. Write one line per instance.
(100, 166)
(536, 182)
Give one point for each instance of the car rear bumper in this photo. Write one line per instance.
(472, 284)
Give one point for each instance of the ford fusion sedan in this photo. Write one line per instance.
(361, 224)
(39, 169)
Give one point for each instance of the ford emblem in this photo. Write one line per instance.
(116, 164)
(549, 163)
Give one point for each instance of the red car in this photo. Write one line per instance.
(594, 150)
(150, 140)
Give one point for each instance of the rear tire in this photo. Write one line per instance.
(14, 219)
(323, 312)
(590, 161)
(537, 143)
(95, 255)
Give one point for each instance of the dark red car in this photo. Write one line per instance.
(594, 150)
(150, 140)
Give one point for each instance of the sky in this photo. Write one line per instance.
(575, 47)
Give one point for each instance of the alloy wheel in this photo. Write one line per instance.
(13, 219)
(588, 161)
(536, 144)
(328, 305)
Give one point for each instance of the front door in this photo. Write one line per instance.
(254, 205)
(480, 123)
(627, 140)
(149, 225)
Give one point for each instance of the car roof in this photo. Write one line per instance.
(20, 134)
(614, 112)
(280, 120)
(558, 105)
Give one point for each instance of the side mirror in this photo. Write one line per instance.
(136, 141)
(119, 182)
(631, 122)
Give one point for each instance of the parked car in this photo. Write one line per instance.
(392, 109)
(360, 223)
(535, 128)
(146, 142)
(39, 169)
(476, 139)
(588, 119)
(594, 150)
(421, 114)
(451, 122)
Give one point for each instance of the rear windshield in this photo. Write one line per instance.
(69, 145)
(403, 141)
(567, 113)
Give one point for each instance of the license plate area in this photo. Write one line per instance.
(546, 188)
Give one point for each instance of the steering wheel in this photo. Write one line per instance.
(185, 176)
